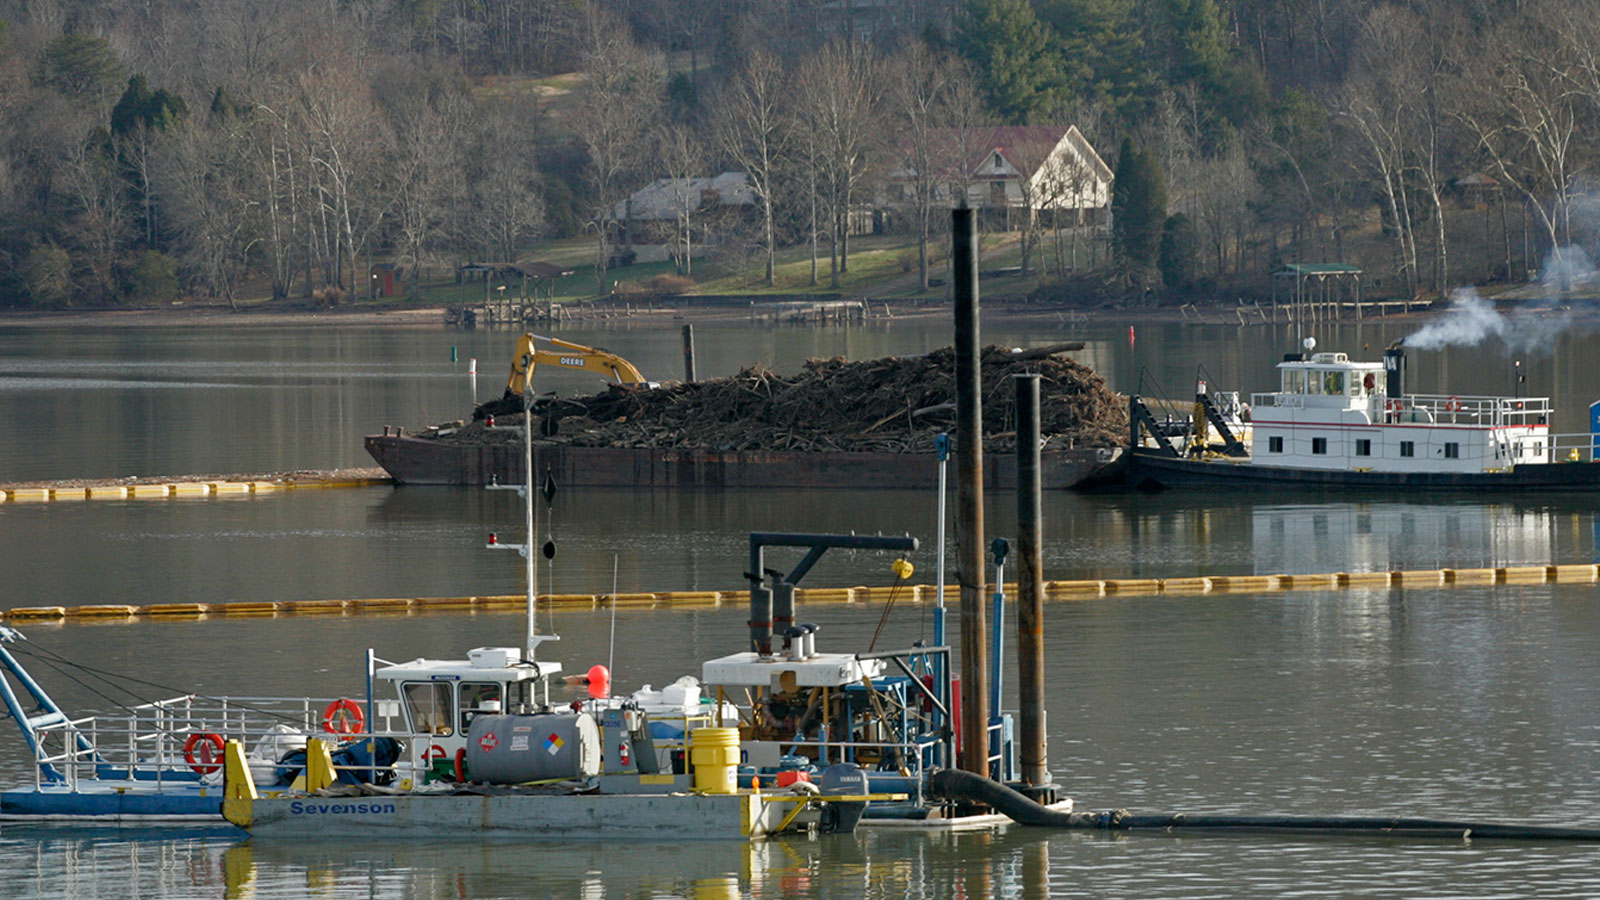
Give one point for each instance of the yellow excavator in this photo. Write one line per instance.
(534, 350)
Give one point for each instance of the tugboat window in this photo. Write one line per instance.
(1452, 451)
(1408, 448)
(1333, 384)
(1319, 445)
(1294, 382)
(1363, 447)
(428, 705)
(478, 698)
(1274, 445)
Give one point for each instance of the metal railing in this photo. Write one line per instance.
(148, 742)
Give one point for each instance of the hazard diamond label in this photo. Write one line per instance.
(488, 742)
(553, 744)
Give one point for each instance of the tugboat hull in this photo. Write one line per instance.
(1152, 471)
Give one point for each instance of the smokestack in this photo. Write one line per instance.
(1394, 364)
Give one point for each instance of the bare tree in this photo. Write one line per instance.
(343, 131)
(1527, 118)
(621, 97)
(919, 96)
(682, 158)
(203, 181)
(751, 127)
(839, 106)
(508, 208)
(426, 143)
(99, 224)
(1376, 110)
(1223, 190)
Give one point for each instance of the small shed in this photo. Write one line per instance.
(385, 277)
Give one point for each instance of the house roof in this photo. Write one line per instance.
(660, 198)
(1023, 147)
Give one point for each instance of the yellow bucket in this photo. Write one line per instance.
(715, 755)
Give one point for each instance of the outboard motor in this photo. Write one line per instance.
(843, 778)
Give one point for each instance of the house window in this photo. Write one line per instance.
(1319, 445)
(1452, 450)
(997, 193)
(1408, 448)
(1274, 445)
(1363, 447)
(998, 162)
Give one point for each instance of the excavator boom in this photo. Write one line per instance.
(535, 350)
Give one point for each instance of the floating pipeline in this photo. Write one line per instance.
(1062, 591)
(960, 786)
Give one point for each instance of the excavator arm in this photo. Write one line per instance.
(535, 350)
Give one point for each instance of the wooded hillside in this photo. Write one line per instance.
(158, 149)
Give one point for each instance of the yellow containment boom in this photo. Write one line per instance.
(537, 350)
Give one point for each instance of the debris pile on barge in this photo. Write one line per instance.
(889, 405)
(835, 423)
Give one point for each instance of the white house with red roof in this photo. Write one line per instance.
(1048, 169)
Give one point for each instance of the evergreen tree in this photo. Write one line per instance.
(1015, 55)
(1180, 254)
(81, 66)
(157, 110)
(1106, 49)
(1138, 209)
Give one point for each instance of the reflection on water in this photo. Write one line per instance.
(1024, 864)
(1480, 702)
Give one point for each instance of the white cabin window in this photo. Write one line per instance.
(1333, 383)
(1408, 448)
(1452, 450)
(478, 698)
(1314, 383)
(428, 707)
(1363, 447)
(1294, 382)
(1319, 445)
(1275, 444)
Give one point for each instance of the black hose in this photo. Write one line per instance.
(955, 784)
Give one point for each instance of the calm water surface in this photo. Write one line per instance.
(1472, 702)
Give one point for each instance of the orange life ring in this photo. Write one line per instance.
(196, 744)
(1453, 404)
(343, 716)
(461, 764)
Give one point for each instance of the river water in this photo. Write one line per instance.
(1473, 702)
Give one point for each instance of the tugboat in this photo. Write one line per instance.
(1335, 422)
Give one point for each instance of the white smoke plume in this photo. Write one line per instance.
(1564, 269)
(1470, 320)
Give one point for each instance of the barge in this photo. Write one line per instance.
(421, 461)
